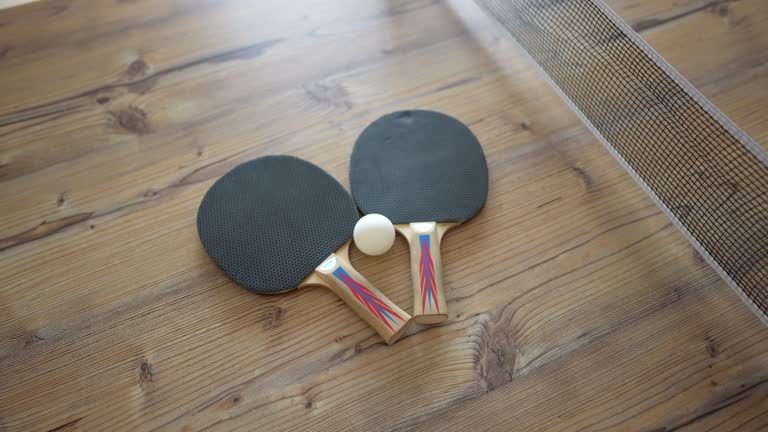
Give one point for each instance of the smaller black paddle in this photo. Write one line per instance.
(278, 223)
(426, 172)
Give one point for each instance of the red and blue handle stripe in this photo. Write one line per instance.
(369, 299)
(427, 275)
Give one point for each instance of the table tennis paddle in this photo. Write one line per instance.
(426, 172)
(278, 223)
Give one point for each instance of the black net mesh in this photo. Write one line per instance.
(708, 175)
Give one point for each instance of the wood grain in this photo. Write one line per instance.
(574, 304)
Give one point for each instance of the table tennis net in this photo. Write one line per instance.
(707, 175)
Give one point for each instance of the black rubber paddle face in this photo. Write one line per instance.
(270, 221)
(419, 166)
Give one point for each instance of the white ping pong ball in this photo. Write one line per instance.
(374, 234)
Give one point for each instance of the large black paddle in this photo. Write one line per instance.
(278, 223)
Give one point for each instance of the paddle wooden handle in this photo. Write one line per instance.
(424, 238)
(369, 303)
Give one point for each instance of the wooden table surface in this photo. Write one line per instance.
(574, 304)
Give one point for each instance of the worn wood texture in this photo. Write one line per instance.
(574, 305)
